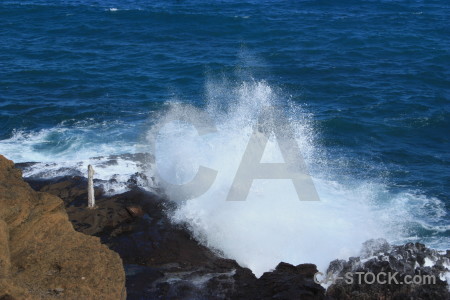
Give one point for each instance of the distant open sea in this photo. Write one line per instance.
(368, 80)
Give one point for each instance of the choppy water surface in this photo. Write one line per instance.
(367, 84)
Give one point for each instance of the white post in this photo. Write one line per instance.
(91, 197)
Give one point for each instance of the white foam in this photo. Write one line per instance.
(67, 150)
(272, 225)
(445, 275)
(68, 141)
(113, 174)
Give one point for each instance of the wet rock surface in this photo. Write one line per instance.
(163, 261)
(285, 282)
(405, 263)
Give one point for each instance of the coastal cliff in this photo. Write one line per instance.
(42, 256)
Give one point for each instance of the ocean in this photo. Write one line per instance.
(365, 84)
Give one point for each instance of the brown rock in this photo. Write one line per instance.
(135, 211)
(42, 256)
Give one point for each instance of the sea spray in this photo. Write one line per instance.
(272, 225)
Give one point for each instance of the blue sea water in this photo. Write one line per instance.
(80, 79)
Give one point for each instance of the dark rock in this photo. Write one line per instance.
(24, 165)
(406, 260)
(163, 261)
(139, 179)
(71, 189)
(285, 282)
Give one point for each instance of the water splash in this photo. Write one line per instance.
(272, 225)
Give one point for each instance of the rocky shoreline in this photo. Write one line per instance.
(162, 261)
